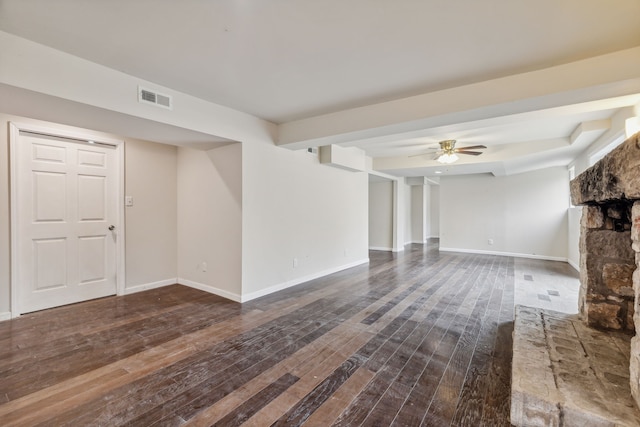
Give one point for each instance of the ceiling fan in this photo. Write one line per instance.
(449, 154)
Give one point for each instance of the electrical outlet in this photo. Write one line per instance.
(204, 266)
(490, 241)
(295, 262)
(128, 201)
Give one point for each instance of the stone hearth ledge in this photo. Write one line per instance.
(567, 374)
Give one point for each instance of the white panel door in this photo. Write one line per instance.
(67, 194)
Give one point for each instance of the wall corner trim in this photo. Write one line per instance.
(574, 265)
(511, 254)
(210, 289)
(146, 286)
(294, 282)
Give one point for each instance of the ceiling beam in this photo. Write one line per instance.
(587, 132)
(607, 76)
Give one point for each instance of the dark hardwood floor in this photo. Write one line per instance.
(417, 338)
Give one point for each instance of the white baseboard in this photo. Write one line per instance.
(211, 289)
(380, 248)
(418, 242)
(5, 316)
(152, 285)
(512, 254)
(574, 265)
(294, 282)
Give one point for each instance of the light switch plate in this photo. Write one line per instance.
(128, 201)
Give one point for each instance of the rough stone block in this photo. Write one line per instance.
(635, 222)
(592, 217)
(604, 316)
(618, 278)
(615, 177)
(609, 243)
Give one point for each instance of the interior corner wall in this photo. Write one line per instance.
(381, 215)
(426, 225)
(5, 225)
(406, 225)
(150, 177)
(210, 219)
(573, 245)
(401, 214)
(151, 233)
(523, 214)
(419, 213)
(301, 219)
(434, 211)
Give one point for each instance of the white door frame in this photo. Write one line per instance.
(81, 136)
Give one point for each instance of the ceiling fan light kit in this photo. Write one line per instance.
(447, 158)
(449, 151)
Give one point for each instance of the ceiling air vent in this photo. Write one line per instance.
(150, 97)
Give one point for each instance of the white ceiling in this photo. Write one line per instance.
(286, 60)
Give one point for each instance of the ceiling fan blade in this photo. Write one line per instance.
(473, 153)
(472, 147)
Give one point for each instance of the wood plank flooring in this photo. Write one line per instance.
(420, 338)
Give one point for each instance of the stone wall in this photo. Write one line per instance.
(610, 246)
(634, 365)
(607, 263)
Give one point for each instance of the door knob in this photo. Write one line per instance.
(112, 227)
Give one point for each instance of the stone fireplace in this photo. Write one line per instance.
(610, 246)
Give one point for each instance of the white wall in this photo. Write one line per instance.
(151, 234)
(296, 208)
(381, 215)
(427, 212)
(150, 177)
(5, 226)
(210, 219)
(190, 208)
(401, 214)
(524, 214)
(434, 211)
(573, 236)
(405, 223)
(419, 210)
